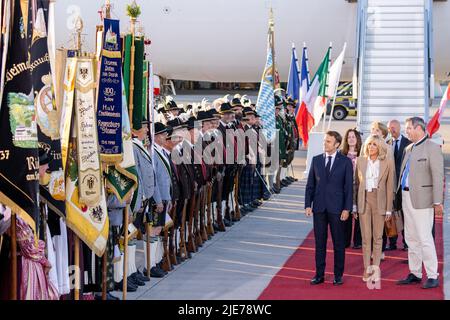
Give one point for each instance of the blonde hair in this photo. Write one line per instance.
(381, 145)
(382, 127)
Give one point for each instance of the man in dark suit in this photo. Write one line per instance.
(398, 142)
(328, 198)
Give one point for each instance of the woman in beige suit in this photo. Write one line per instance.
(373, 197)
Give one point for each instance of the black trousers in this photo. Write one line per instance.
(354, 228)
(337, 227)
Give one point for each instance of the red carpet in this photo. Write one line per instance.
(292, 281)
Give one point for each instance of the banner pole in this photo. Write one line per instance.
(13, 257)
(131, 89)
(125, 254)
(105, 254)
(77, 267)
(147, 235)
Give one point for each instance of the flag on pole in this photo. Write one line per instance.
(19, 165)
(435, 122)
(303, 116)
(314, 101)
(317, 93)
(52, 184)
(335, 73)
(293, 85)
(265, 104)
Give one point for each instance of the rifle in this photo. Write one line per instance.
(220, 223)
(237, 209)
(166, 265)
(210, 228)
(197, 219)
(182, 249)
(203, 214)
(191, 244)
(172, 246)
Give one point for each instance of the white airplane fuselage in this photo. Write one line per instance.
(226, 40)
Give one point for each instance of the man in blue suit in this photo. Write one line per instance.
(328, 198)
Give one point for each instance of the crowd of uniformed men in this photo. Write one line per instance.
(186, 202)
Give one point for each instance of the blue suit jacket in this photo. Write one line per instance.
(332, 194)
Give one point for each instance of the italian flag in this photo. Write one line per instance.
(435, 122)
(314, 102)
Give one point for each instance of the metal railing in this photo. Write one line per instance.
(361, 49)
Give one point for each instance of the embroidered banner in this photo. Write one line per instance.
(86, 209)
(19, 166)
(89, 172)
(122, 178)
(52, 188)
(90, 223)
(109, 106)
(67, 107)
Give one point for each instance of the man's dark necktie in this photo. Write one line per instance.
(328, 167)
(396, 149)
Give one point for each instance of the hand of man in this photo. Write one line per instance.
(308, 212)
(345, 214)
(438, 210)
(159, 207)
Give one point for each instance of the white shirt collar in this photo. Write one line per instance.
(332, 155)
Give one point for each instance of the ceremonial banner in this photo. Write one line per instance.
(89, 173)
(90, 223)
(67, 107)
(86, 209)
(265, 105)
(52, 186)
(19, 165)
(145, 90)
(138, 71)
(109, 106)
(122, 178)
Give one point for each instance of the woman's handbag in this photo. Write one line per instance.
(391, 227)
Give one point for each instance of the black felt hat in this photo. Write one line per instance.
(160, 128)
(226, 108)
(205, 116)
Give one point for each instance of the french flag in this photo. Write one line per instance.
(304, 117)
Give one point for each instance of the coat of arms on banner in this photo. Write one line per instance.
(48, 118)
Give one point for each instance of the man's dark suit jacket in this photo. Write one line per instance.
(334, 193)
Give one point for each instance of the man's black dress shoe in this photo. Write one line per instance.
(317, 280)
(357, 246)
(227, 223)
(118, 286)
(155, 272)
(135, 281)
(139, 275)
(410, 279)
(109, 296)
(431, 283)
(338, 281)
(391, 248)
